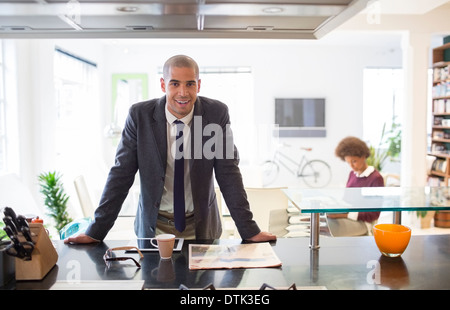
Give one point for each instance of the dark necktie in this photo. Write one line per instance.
(178, 182)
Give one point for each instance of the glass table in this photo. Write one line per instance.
(366, 199)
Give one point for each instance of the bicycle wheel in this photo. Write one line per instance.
(270, 171)
(316, 173)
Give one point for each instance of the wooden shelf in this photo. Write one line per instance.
(442, 114)
(438, 173)
(438, 54)
(440, 98)
(441, 81)
(442, 140)
(441, 127)
(442, 159)
(441, 64)
(440, 155)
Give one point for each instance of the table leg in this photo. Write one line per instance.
(397, 217)
(314, 231)
(314, 265)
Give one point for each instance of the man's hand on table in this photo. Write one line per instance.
(81, 238)
(263, 236)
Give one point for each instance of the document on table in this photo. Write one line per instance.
(248, 255)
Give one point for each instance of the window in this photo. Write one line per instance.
(234, 87)
(77, 129)
(382, 102)
(2, 113)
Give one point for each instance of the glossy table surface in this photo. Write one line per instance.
(341, 263)
(365, 199)
(361, 199)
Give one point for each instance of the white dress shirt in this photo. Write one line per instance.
(167, 197)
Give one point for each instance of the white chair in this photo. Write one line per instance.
(229, 230)
(391, 179)
(123, 228)
(267, 201)
(83, 197)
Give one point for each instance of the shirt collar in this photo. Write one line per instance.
(366, 172)
(172, 118)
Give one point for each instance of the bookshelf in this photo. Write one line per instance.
(440, 132)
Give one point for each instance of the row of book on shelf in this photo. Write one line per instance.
(439, 165)
(441, 73)
(439, 148)
(436, 164)
(434, 181)
(441, 134)
(441, 106)
(441, 89)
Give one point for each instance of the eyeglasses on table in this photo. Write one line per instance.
(110, 256)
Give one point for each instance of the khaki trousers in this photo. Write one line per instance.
(166, 225)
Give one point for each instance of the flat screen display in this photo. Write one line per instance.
(300, 112)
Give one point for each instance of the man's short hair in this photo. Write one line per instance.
(180, 61)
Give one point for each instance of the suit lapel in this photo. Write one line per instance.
(198, 123)
(160, 131)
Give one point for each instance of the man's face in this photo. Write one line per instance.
(181, 87)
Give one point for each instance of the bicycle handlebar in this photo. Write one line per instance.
(308, 149)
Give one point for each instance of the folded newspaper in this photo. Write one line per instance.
(249, 255)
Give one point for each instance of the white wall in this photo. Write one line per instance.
(328, 68)
(285, 68)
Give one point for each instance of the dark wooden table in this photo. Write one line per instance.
(341, 263)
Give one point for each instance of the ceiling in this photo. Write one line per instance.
(290, 19)
(409, 7)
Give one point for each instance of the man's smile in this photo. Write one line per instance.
(182, 102)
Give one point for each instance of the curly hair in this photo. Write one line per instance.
(352, 146)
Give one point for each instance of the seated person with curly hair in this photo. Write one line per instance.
(355, 152)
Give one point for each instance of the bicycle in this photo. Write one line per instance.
(315, 173)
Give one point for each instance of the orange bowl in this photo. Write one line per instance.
(391, 239)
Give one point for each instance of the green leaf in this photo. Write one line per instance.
(389, 146)
(55, 198)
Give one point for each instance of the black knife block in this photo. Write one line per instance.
(43, 257)
(7, 267)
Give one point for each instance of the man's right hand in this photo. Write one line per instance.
(81, 238)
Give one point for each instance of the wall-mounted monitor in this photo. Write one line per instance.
(300, 117)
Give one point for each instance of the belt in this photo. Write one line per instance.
(166, 220)
(171, 221)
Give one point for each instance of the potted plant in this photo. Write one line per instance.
(388, 147)
(55, 198)
(425, 218)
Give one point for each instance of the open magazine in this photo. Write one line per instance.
(250, 255)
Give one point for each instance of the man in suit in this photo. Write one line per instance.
(151, 144)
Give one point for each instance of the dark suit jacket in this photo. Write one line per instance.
(143, 148)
